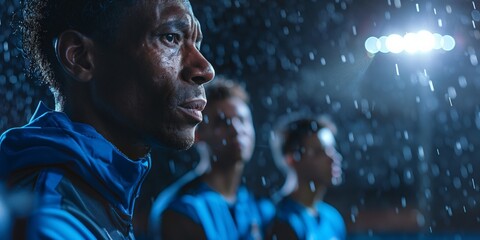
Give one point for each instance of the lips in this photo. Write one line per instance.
(193, 108)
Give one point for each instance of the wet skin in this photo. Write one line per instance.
(149, 81)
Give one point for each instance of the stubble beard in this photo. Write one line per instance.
(178, 139)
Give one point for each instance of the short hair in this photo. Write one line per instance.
(223, 88)
(295, 132)
(288, 137)
(44, 20)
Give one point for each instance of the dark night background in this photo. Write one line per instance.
(410, 152)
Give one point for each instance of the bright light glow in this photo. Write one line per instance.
(395, 43)
(411, 42)
(383, 44)
(448, 43)
(437, 39)
(371, 44)
(422, 41)
(426, 41)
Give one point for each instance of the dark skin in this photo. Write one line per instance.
(315, 169)
(229, 121)
(230, 136)
(146, 87)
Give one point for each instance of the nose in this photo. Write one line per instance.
(197, 68)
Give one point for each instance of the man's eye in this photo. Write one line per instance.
(171, 37)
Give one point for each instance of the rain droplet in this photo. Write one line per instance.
(430, 83)
(312, 186)
(370, 178)
(264, 181)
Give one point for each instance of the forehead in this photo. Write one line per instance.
(168, 9)
(312, 141)
(324, 139)
(151, 13)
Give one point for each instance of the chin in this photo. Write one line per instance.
(178, 140)
(182, 142)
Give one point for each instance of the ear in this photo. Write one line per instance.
(75, 53)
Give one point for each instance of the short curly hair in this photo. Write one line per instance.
(296, 132)
(44, 20)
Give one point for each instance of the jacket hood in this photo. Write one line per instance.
(52, 140)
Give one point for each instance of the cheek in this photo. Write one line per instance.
(156, 62)
(167, 63)
(317, 164)
(157, 78)
(251, 132)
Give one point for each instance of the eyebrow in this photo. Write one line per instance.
(182, 25)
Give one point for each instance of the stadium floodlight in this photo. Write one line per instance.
(372, 45)
(447, 43)
(383, 44)
(426, 41)
(395, 43)
(411, 42)
(419, 42)
(437, 39)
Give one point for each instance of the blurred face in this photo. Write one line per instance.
(228, 130)
(320, 162)
(150, 79)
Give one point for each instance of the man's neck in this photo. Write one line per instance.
(124, 140)
(308, 193)
(225, 181)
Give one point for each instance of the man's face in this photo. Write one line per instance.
(150, 79)
(228, 130)
(320, 162)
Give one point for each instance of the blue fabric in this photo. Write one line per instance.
(267, 211)
(162, 201)
(328, 224)
(219, 219)
(408, 236)
(51, 141)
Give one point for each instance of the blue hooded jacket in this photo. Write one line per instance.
(85, 188)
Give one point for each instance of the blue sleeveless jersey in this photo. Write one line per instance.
(243, 219)
(328, 224)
